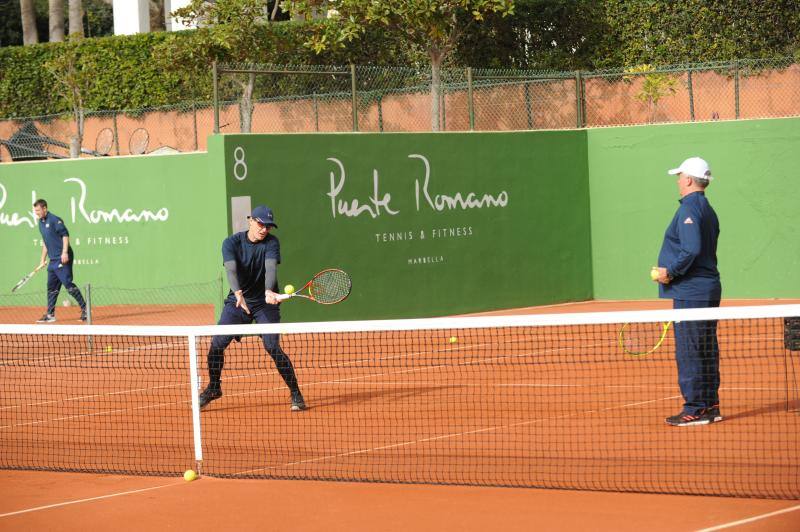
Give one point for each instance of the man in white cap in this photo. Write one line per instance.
(687, 273)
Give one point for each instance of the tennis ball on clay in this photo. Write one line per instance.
(453, 340)
(189, 475)
(109, 349)
(654, 274)
(288, 289)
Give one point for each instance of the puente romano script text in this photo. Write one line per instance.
(80, 209)
(378, 203)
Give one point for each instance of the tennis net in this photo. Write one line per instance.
(550, 401)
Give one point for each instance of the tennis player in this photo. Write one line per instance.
(59, 271)
(251, 261)
(688, 275)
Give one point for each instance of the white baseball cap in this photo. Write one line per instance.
(695, 167)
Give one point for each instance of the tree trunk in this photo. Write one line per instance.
(28, 13)
(56, 20)
(246, 104)
(76, 17)
(437, 57)
(76, 141)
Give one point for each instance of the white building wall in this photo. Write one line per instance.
(171, 23)
(131, 16)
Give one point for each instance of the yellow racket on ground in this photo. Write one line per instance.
(643, 338)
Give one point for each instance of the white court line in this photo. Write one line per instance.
(750, 519)
(453, 435)
(78, 501)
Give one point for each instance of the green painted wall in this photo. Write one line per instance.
(359, 202)
(535, 238)
(134, 222)
(756, 165)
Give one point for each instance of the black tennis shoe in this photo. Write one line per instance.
(208, 395)
(298, 403)
(705, 417)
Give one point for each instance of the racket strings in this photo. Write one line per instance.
(640, 338)
(330, 286)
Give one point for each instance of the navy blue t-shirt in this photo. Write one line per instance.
(52, 229)
(250, 258)
(689, 252)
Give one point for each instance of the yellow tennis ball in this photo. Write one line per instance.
(453, 340)
(109, 349)
(288, 289)
(654, 274)
(189, 475)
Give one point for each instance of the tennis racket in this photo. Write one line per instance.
(27, 278)
(137, 144)
(642, 338)
(328, 287)
(104, 141)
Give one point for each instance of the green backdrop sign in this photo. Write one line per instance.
(134, 222)
(426, 224)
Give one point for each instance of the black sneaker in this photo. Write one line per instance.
(208, 395)
(47, 318)
(298, 403)
(83, 315)
(707, 416)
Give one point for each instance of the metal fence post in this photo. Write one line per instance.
(316, 111)
(355, 99)
(194, 125)
(528, 110)
(442, 108)
(736, 86)
(216, 96)
(579, 98)
(470, 103)
(691, 94)
(380, 112)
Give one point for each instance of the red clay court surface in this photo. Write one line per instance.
(36, 500)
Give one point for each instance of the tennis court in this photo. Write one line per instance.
(547, 406)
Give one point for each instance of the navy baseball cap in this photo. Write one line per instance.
(263, 214)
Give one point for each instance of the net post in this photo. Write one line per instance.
(88, 298)
(194, 378)
(88, 291)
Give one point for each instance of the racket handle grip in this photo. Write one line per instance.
(283, 297)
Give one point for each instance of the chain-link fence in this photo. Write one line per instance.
(278, 99)
(176, 128)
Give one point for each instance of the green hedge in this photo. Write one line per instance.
(157, 69)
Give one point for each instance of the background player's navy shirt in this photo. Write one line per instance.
(689, 252)
(250, 258)
(53, 229)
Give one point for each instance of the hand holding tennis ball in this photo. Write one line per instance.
(654, 273)
(288, 289)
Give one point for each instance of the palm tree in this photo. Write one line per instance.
(28, 13)
(56, 20)
(76, 17)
